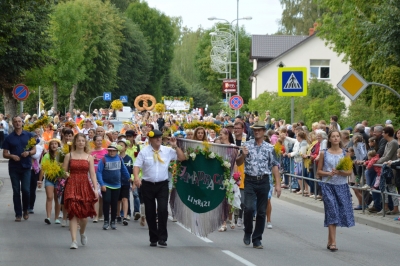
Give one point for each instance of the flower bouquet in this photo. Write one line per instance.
(344, 164)
(236, 177)
(31, 144)
(52, 170)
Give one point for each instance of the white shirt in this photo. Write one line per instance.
(153, 170)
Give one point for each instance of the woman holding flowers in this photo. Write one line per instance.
(51, 169)
(79, 197)
(336, 192)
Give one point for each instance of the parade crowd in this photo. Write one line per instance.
(89, 168)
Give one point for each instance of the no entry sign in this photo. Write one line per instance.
(236, 102)
(21, 92)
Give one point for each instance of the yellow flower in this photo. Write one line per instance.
(31, 144)
(117, 104)
(52, 170)
(65, 149)
(151, 134)
(345, 164)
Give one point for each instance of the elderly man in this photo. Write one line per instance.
(259, 161)
(17, 149)
(154, 161)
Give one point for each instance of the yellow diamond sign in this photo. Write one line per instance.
(352, 84)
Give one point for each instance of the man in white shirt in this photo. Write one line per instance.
(154, 161)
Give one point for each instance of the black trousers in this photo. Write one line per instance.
(32, 195)
(255, 189)
(150, 193)
(110, 197)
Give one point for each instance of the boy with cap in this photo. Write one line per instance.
(110, 172)
(154, 160)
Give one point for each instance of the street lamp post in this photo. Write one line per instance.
(236, 46)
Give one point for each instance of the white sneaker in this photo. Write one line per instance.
(64, 223)
(74, 245)
(269, 225)
(83, 239)
(239, 222)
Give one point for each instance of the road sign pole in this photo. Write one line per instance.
(385, 86)
(292, 110)
(22, 106)
(93, 101)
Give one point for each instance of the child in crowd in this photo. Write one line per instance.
(373, 157)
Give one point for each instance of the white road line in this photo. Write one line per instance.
(205, 239)
(236, 257)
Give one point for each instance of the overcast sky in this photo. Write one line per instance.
(265, 13)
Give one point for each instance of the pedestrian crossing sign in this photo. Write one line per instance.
(292, 81)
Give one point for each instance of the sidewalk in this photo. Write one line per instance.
(2, 160)
(384, 223)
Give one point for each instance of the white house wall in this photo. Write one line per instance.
(314, 48)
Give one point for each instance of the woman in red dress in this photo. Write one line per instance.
(79, 197)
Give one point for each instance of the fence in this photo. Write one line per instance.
(317, 181)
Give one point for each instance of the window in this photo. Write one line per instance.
(319, 69)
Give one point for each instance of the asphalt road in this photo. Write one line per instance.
(297, 238)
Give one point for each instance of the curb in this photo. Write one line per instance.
(365, 219)
(3, 160)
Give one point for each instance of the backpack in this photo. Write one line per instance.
(387, 174)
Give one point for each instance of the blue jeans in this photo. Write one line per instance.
(311, 183)
(371, 175)
(255, 190)
(21, 182)
(136, 201)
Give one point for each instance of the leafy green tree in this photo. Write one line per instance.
(210, 79)
(159, 31)
(321, 102)
(122, 5)
(201, 97)
(185, 53)
(174, 85)
(359, 110)
(367, 33)
(135, 63)
(298, 16)
(86, 42)
(23, 38)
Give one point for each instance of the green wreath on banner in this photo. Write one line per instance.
(209, 160)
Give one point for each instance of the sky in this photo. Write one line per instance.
(195, 13)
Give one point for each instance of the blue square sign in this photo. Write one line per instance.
(292, 81)
(106, 96)
(123, 98)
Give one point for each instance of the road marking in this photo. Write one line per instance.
(236, 257)
(205, 239)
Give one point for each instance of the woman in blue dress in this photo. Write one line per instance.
(335, 191)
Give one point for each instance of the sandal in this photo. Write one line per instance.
(332, 248)
(300, 192)
(222, 228)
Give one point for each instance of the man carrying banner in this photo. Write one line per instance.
(259, 161)
(154, 160)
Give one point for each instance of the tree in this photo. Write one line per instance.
(210, 79)
(367, 33)
(183, 63)
(159, 32)
(86, 37)
(174, 85)
(122, 5)
(23, 38)
(321, 102)
(135, 63)
(298, 16)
